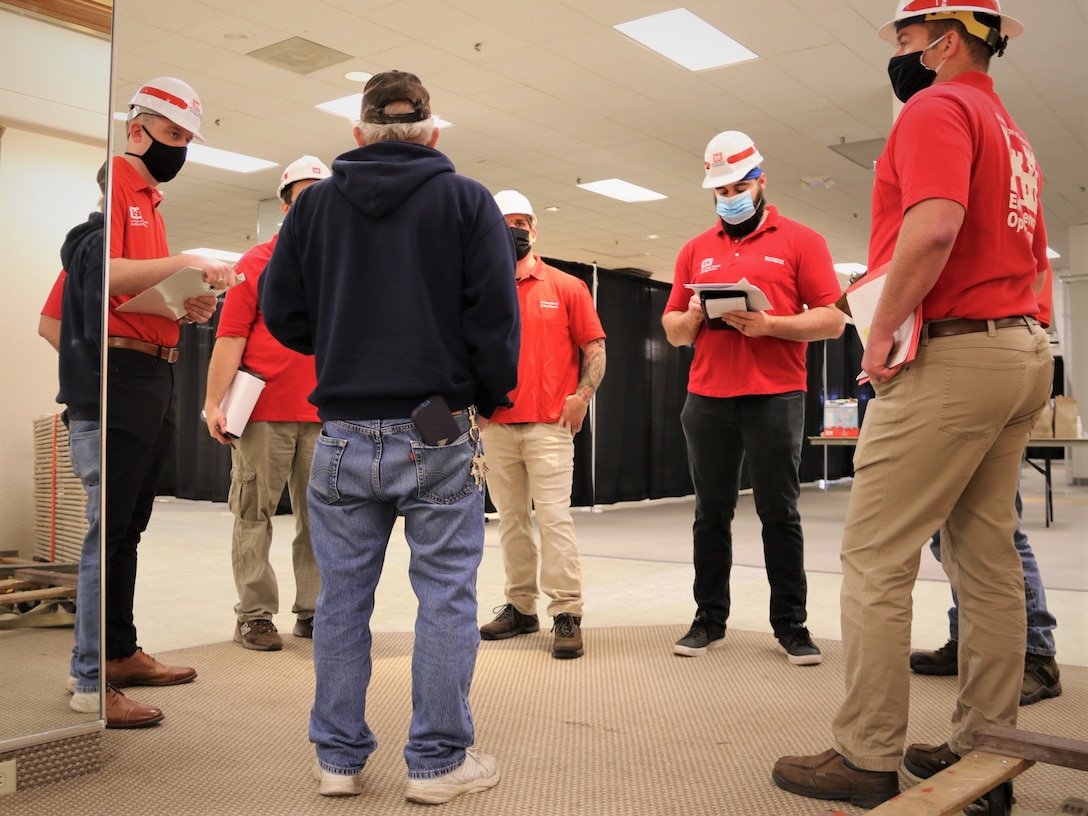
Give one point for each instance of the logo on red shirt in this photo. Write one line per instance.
(136, 217)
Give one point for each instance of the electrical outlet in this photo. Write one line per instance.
(8, 778)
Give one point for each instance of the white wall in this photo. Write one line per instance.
(54, 103)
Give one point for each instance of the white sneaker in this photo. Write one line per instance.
(477, 773)
(70, 684)
(336, 784)
(87, 702)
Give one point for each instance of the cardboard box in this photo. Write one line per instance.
(841, 417)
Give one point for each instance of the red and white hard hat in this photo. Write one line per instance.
(928, 10)
(171, 98)
(729, 157)
(305, 167)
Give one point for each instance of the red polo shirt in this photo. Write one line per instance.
(54, 301)
(956, 141)
(137, 231)
(792, 265)
(557, 318)
(289, 376)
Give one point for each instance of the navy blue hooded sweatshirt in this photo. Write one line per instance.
(397, 274)
(80, 364)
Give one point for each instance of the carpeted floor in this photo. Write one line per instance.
(629, 729)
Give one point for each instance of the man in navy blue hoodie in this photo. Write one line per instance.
(397, 274)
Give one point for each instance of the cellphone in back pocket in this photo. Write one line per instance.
(435, 422)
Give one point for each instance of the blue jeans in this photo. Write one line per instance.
(1040, 622)
(85, 451)
(364, 473)
(719, 432)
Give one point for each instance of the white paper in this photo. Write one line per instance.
(757, 301)
(237, 404)
(167, 297)
(863, 297)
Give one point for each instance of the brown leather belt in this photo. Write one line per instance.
(166, 353)
(963, 325)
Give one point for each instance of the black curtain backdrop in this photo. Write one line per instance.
(634, 447)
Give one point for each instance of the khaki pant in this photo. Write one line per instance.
(940, 447)
(532, 466)
(267, 456)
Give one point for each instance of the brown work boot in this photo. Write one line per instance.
(1042, 679)
(568, 637)
(121, 712)
(943, 661)
(509, 623)
(831, 776)
(923, 761)
(141, 669)
(258, 634)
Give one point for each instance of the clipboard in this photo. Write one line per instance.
(167, 297)
(862, 297)
(237, 403)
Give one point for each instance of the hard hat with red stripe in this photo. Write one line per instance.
(306, 167)
(171, 98)
(982, 18)
(729, 157)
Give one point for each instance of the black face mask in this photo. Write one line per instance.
(162, 161)
(748, 225)
(522, 247)
(909, 74)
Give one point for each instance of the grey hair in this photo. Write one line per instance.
(418, 132)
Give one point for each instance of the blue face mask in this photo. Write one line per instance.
(736, 209)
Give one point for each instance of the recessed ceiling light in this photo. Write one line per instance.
(358, 76)
(214, 157)
(349, 107)
(218, 254)
(621, 190)
(653, 237)
(551, 209)
(687, 40)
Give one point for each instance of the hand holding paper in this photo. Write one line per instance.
(167, 297)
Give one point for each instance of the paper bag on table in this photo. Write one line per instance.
(1066, 422)
(1044, 423)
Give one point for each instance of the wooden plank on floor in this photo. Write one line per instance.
(49, 577)
(1069, 753)
(947, 792)
(12, 598)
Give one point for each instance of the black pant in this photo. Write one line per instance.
(719, 432)
(139, 429)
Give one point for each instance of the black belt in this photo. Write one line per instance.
(963, 325)
(166, 353)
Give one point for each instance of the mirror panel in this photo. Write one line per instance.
(54, 87)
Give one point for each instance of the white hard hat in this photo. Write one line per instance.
(928, 10)
(171, 98)
(729, 157)
(305, 167)
(511, 202)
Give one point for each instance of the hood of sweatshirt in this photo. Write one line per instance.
(379, 177)
(74, 244)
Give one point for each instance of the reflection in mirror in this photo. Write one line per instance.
(53, 128)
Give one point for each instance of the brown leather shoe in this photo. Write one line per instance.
(568, 637)
(122, 712)
(922, 761)
(1042, 679)
(509, 623)
(141, 669)
(830, 776)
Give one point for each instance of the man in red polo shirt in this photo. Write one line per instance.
(746, 388)
(276, 447)
(164, 116)
(530, 447)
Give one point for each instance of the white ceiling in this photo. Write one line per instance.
(544, 94)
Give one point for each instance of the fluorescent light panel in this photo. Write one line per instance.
(349, 107)
(221, 159)
(621, 190)
(685, 39)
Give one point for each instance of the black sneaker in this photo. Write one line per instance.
(1042, 679)
(943, 661)
(508, 623)
(700, 637)
(797, 644)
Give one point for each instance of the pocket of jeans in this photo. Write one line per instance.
(977, 397)
(444, 474)
(325, 470)
(85, 454)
